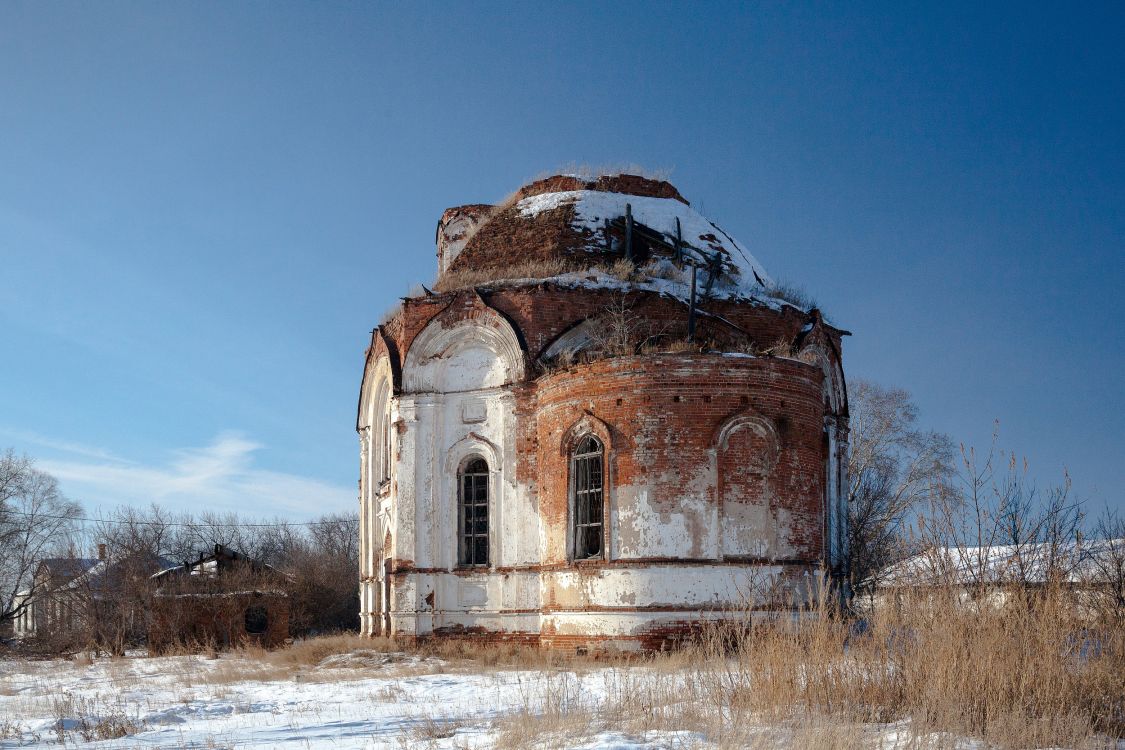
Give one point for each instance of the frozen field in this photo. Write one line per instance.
(371, 699)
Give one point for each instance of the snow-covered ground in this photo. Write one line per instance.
(368, 699)
(360, 700)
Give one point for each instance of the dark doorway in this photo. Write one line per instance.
(257, 620)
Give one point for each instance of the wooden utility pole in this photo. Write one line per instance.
(691, 308)
(628, 232)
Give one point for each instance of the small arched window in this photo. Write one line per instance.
(473, 514)
(587, 488)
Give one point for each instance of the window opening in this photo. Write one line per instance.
(473, 504)
(587, 501)
(386, 448)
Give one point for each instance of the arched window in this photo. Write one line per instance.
(381, 433)
(587, 487)
(386, 439)
(473, 513)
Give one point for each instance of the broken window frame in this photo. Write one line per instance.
(587, 499)
(473, 513)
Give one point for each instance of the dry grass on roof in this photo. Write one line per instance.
(793, 294)
(594, 171)
(582, 171)
(466, 278)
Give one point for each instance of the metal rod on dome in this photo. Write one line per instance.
(691, 308)
(628, 232)
(679, 245)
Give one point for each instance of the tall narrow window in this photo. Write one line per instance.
(386, 456)
(587, 484)
(474, 514)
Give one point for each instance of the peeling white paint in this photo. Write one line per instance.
(457, 402)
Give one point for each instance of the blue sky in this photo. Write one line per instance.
(205, 207)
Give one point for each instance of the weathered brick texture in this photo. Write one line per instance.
(722, 470)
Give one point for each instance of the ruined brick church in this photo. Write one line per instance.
(605, 426)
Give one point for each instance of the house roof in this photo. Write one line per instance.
(209, 565)
(998, 564)
(67, 567)
(90, 574)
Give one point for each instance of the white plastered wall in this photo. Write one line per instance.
(377, 415)
(457, 403)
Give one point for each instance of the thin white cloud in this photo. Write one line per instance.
(221, 476)
(78, 449)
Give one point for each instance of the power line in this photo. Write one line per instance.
(183, 524)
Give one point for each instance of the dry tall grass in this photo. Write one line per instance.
(932, 671)
(793, 294)
(588, 171)
(1030, 675)
(534, 269)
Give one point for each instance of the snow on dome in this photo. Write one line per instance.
(571, 229)
(592, 208)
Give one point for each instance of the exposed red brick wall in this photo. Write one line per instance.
(217, 621)
(664, 413)
(549, 235)
(627, 184)
(542, 312)
(507, 237)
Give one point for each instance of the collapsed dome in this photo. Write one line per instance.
(567, 224)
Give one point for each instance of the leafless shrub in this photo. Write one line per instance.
(1107, 568)
(990, 509)
(894, 467)
(618, 331)
(321, 567)
(36, 520)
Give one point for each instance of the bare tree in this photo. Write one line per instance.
(993, 527)
(894, 466)
(35, 518)
(1107, 567)
(117, 593)
(321, 573)
(319, 562)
